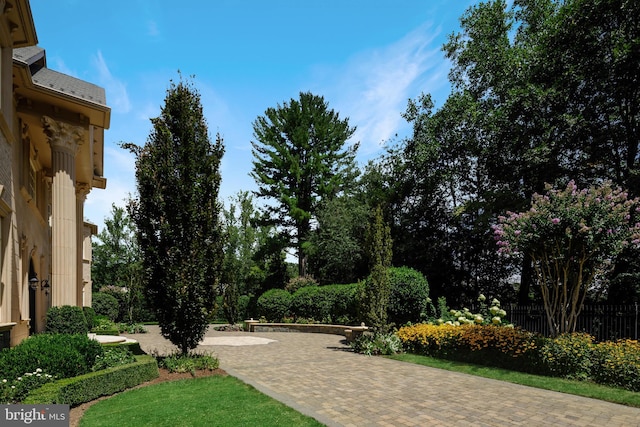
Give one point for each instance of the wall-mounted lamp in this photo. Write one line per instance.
(33, 283)
(44, 284)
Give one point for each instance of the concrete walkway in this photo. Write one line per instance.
(317, 375)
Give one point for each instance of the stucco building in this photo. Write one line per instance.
(51, 156)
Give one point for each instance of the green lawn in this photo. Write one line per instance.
(208, 401)
(580, 388)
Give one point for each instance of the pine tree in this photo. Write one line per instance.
(300, 161)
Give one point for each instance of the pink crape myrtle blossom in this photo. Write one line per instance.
(571, 236)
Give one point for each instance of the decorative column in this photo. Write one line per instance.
(82, 190)
(65, 141)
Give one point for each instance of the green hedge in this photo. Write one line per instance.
(105, 305)
(311, 302)
(274, 305)
(133, 347)
(326, 304)
(84, 388)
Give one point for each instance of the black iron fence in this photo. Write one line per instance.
(604, 322)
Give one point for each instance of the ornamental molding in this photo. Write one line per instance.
(63, 136)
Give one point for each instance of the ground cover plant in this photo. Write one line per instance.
(190, 362)
(217, 400)
(377, 343)
(14, 390)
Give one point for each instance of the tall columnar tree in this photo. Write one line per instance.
(300, 159)
(571, 236)
(377, 289)
(177, 215)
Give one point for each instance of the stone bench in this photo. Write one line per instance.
(349, 332)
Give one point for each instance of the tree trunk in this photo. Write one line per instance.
(526, 279)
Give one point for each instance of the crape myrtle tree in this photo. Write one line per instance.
(571, 236)
(300, 160)
(177, 215)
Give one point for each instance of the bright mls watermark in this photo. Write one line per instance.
(34, 415)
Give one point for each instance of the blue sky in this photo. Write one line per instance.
(367, 58)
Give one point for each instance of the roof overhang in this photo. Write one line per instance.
(20, 22)
(40, 92)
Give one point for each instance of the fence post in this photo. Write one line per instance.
(636, 329)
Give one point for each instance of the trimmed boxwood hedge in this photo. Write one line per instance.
(84, 388)
(326, 304)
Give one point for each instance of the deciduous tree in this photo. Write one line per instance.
(116, 262)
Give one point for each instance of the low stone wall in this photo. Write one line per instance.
(350, 332)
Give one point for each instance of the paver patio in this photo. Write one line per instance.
(317, 375)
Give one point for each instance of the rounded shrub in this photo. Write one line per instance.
(274, 304)
(408, 296)
(120, 294)
(66, 319)
(90, 316)
(568, 356)
(60, 355)
(106, 305)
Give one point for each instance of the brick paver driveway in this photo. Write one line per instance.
(318, 375)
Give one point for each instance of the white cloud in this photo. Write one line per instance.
(372, 89)
(59, 65)
(152, 29)
(148, 111)
(117, 96)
